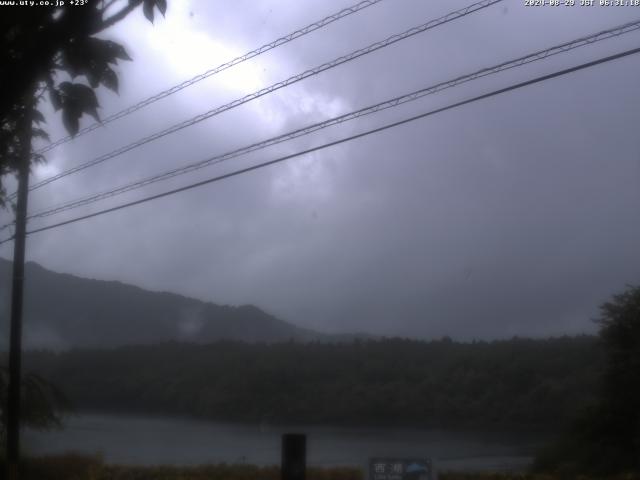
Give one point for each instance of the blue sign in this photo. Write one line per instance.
(401, 469)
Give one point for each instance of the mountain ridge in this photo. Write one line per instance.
(64, 311)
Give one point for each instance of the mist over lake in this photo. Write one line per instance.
(139, 440)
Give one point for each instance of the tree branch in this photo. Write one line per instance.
(116, 17)
(108, 5)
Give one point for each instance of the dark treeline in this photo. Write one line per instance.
(518, 383)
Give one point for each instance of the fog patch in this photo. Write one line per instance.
(191, 323)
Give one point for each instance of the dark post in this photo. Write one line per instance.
(15, 345)
(294, 456)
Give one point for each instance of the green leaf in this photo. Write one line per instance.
(93, 77)
(106, 51)
(162, 6)
(64, 88)
(38, 132)
(117, 50)
(82, 94)
(147, 9)
(92, 57)
(56, 101)
(110, 80)
(71, 121)
(77, 99)
(93, 112)
(38, 117)
(39, 158)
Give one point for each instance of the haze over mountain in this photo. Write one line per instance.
(64, 311)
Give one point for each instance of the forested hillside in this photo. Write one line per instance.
(64, 311)
(518, 383)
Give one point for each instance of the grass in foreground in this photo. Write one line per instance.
(83, 467)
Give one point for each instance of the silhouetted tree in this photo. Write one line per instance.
(37, 45)
(606, 438)
(617, 427)
(42, 403)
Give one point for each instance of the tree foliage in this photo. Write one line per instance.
(606, 439)
(54, 54)
(509, 384)
(616, 428)
(42, 403)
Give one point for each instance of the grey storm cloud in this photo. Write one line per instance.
(517, 215)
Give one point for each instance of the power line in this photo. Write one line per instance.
(242, 58)
(291, 80)
(520, 61)
(7, 239)
(343, 140)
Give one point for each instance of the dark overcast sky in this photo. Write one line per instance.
(517, 215)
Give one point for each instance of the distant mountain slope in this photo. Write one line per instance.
(63, 311)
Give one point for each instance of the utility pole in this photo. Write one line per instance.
(15, 345)
(294, 456)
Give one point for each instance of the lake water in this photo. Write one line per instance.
(145, 441)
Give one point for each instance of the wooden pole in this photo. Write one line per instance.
(15, 345)
(294, 456)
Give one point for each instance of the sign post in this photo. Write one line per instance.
(294, 456)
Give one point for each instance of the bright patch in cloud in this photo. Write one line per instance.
(190, 52)
(48, 169)
(305, 178)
